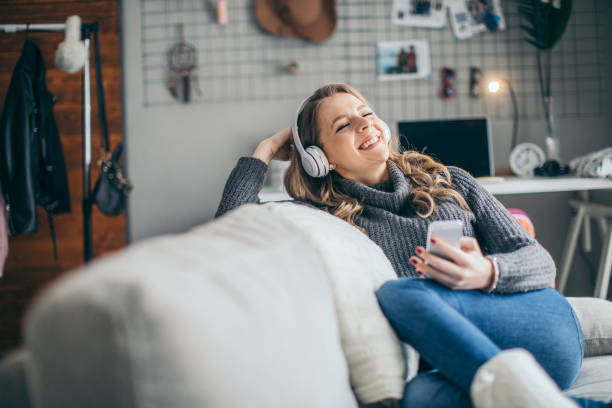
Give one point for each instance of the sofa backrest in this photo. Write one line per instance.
(221, 316)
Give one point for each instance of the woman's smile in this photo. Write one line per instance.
(370, 142)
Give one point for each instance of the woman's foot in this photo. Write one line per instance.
(514, 379)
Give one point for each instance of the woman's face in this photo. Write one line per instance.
(352, 138)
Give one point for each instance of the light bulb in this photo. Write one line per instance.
(494, 86)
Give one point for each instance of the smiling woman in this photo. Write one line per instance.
(451, 318)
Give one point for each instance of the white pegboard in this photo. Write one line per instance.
(242, 62)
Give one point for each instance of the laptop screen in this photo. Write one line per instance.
(464, 143)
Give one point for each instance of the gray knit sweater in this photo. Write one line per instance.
(392, 223)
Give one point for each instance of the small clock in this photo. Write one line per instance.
(525, 157)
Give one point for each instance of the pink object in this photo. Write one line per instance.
(523, 219)
(222, 11)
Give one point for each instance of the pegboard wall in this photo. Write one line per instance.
(241, 62)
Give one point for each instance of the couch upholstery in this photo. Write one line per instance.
(241, 311)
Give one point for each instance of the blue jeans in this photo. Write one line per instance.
(458, 331)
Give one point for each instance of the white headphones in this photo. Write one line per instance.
(314, 161)
(71, 54)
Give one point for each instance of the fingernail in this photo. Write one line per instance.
(420, 272)
(433, 240)
(419, 251)
(413, 261)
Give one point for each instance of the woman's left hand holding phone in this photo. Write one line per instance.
(275, 147)
(469, 268)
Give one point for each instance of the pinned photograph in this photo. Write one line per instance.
(403, 60)
(470, 17)
(419, 13)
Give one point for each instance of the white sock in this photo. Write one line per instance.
(514, 379)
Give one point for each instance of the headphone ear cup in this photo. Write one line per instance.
(318, 165)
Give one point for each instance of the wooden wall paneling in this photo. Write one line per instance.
(30, 264)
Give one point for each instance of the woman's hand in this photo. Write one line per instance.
(469, 268)
(275, 147)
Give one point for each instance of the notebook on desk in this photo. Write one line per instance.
(465, 143)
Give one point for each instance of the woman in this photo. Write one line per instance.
(469, 308)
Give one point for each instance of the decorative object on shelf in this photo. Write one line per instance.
(403, 60)
(470, 17)
(595, 164)
(447, 75)
(551, 168)
(475, 82)
(71, 53)
(494, 87)
(525, 158)
(313, 20)
(544, 23)
(419, 13)
(182, 61)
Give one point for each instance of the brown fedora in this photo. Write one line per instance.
(314, 20)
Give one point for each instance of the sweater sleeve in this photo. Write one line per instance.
(523, 263)
(243, 185)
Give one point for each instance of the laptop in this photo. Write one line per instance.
(464, 143)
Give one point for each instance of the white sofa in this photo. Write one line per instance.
(267, 306)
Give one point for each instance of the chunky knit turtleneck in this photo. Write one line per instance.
(390, 220)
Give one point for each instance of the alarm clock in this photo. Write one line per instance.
(525, 157)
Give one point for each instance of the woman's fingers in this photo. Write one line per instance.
(437, 265)
(453, 252)
(469, 244)
(437, 275)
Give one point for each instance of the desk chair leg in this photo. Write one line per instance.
(605, 265)
(586, 224)
(570, 247)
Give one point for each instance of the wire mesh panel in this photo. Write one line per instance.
(241, 62)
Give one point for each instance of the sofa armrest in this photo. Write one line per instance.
(13, 384)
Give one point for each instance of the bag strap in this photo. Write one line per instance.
(100, 91)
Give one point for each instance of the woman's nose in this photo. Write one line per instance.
(364, 123)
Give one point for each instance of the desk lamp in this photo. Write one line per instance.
(494, 87)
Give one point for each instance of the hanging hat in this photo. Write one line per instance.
(313, 20)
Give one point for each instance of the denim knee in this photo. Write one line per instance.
(401, 295)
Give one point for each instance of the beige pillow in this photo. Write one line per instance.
(356, 267)
(595, 316)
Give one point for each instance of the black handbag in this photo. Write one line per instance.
(112, 187)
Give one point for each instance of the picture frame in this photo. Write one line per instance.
(470, 17)
(397, 60)
(419, 13)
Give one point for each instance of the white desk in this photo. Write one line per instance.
(509, 185)
(520, 185)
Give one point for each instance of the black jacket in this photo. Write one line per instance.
(32, 167)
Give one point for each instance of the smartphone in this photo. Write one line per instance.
(451, 230)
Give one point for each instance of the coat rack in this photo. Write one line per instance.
(86, 30)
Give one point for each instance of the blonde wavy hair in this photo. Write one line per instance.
(431, 180)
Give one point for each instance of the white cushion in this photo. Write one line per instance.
(595, 316)
(356, 268)
(235, 313)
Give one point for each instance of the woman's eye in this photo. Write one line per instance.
(368, 114)
(343, 126)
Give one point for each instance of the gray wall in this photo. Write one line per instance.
(179, 156)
